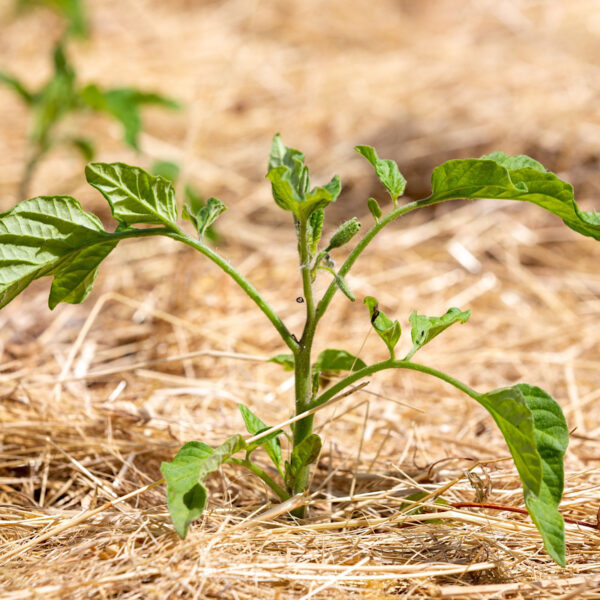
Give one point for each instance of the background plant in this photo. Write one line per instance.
(69, 244)
(62, 96)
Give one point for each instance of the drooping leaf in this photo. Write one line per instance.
(290, 182)
(51, 236)
(185, 475)
(134, 195)
(338, 360)
(389, 331)
(285, 360)
(505, 177)
(512, 415)
(551, 438)
(124, 104)
(424, 328)
(386, 170)
(303, 455)
(270, 443)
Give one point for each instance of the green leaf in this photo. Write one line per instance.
(343, 286)
(290, 182)
(408, 508)
(134, 195)
(338, 360)
(17, 87)
(521, 178)
(424, 328)
(185, 475)
(389, 331)
(515, 420)
(271, 443)
(374, 208)
(124, 105)
(315, 229)
(386, 170)
(551, 438)
(285, 360)
(166, 169)
(51, 236)
(84, 146)
(205, 216)
(303, 455)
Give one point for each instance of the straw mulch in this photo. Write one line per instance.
(94, 397)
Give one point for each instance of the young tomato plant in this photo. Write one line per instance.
(60, 97)
(53, 236)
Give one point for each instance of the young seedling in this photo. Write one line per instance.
(60, 97)
(53, 236)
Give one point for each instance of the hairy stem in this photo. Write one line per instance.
(364, 242)
(302, 364)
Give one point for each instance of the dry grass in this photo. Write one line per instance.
(94, 397)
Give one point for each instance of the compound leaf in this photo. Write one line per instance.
(185, 475)
(134, 195)
(386, 170)
(424, 328)
(504, 177)
(51, 236)
(389, 331)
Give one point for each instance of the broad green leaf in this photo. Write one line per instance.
(512, 415)
(285, 360)
(134, 195)
(205, 216)
(51, 236)
(386, 170)
(290, 182)
(551, 438)
(124, 105)
(271, 443)
(505, 177)
(338, 360)
(17, 87)
(424, 328)
(303, 455)
(185, 475)
(389, 331)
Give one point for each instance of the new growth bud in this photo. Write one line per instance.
(344, 234)
(374, 208)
